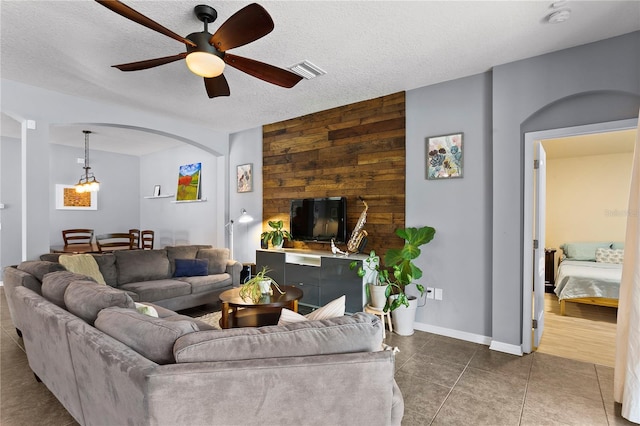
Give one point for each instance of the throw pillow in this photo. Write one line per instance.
(146, 309)
(333, 309)
(83, 264)
(217, 257)
(609, 255)
(191, 267)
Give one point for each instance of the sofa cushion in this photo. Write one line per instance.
(217, 258)
(208, 282)
(182, 252)
(150, 291)
(85, 299)
(141, 265)
(51, 257)
(358, 333)
(82, 264)
(38, 268)
(151, 337)
(107, 265)
(54, 285)
(191, 268)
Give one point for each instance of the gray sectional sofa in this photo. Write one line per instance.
(109, 364)
(146, 275)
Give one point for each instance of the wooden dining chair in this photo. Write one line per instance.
(77, 236)
(114, 241)
(135, 238)
(146, 239)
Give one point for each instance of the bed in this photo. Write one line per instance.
(589, 278)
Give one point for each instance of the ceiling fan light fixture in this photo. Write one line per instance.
(205, 64)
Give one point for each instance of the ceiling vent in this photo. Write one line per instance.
(307, 70)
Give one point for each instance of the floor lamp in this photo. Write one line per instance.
(244, 218)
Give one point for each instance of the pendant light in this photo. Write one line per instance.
(87, 182)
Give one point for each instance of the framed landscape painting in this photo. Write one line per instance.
(244, 174)
(68, 199)
(444, 156)
(189, 182)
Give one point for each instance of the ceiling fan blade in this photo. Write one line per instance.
(129, 13)
(246, 25)
(150, 63)
(217, 86)
(263, 71)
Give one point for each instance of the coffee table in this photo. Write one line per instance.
(265, 312)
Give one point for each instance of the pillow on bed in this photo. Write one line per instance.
(609, 255)
(583, 251)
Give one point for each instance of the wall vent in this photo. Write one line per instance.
(307, 70)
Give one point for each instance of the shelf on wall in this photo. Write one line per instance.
(189, 201)
(160, 196)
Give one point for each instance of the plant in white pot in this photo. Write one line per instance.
(259, 286)
(377, 280)
(405, 272)
(276, 235)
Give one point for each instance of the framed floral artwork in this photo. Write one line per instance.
(244, 176)
(444, 156)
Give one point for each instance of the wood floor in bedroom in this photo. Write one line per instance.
(586, 333)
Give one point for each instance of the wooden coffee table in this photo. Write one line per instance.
(251, 314)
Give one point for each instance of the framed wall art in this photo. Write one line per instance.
(244, 176)
(444, 156)
(68, 199)
(189, 182)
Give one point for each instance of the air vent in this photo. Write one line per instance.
(307, 70)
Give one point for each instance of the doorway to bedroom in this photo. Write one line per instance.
(585, 198)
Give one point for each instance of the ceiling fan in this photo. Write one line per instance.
(206, 53)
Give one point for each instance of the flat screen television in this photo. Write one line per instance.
(319, 219)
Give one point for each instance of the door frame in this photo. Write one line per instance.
(530, 141)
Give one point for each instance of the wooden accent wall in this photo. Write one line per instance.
(355, 150)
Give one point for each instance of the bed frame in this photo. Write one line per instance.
(599, 301)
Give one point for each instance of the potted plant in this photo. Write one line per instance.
(405, 272)
(258, 286)
(377, 279)
(276, 235)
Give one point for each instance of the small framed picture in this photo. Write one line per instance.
(444, 156)
(156, 191)
(244, 175)
(68, 199)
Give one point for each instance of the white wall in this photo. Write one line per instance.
(10, 241)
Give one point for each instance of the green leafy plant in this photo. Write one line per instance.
(400, 262)
(251, 288)
(276, 235)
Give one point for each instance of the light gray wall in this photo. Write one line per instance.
(181, 223)
(246, 147)
(606, 77)
(458, 260)
(10, 241)
(118, 198)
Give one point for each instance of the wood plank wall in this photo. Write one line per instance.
(355, 150)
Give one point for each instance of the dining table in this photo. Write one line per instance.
(75, 248)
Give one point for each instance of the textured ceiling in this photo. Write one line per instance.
(368, 49)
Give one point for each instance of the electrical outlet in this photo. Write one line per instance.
(438, 294)
(430, 293)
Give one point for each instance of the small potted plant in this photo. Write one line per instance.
(258, 286)
(405, 272)
(377, 279)
(276, 235)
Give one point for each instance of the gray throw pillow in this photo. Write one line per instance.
(141, 265)
(360, 332)
(217, 258)
(54, 285)
(85, 299)
(38, 268)
(151, 337)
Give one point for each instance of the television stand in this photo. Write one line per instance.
(322, 276)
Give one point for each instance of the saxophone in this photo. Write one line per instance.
(355, 243)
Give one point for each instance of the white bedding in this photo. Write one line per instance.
(577, 279)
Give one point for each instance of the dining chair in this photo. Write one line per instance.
(146, 239)
(114, 241)
(77, 236)
(135, 238)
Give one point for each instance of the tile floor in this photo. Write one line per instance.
(444, 381)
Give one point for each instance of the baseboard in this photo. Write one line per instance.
(506, 348)
(456, 334)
